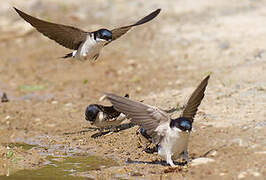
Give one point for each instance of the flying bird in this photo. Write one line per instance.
(169, 135)
(86, 45)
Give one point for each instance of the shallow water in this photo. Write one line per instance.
(23, 145)
(64, 168)
(68, 166)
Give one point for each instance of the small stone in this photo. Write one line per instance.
(4, 98)
(259, 54)
(68, 104)
(245, 127)
(260, 125)
(260, 152)
(138, 89)
(7, 117)
(224, 45)
(178, 82)
(51, 125)
(37, 119)
(256, 174)
(238, 141)
(213, 153)
(54, 102)
(242, 175)
(170, 83)
(199, 161)
(254, 146)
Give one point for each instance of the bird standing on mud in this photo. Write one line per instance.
(104, 117)
(86, 45)
(169, 135)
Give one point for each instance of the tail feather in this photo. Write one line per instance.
(68, 55)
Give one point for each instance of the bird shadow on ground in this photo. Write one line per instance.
(156, 162)
(101, 133)
(117, 129)
(89, 129)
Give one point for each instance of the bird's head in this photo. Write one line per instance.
(103, 35)
(182, 123)
(91, 113)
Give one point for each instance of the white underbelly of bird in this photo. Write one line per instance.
(89, 50)
(173, 145)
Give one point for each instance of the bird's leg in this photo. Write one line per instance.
(95, 56)
(110, 130)
(100, 133)
(185, 156)
(150, 150)
(169, 160)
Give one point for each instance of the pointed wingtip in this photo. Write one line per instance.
(206, 79)
(158, 10)
(15, 9)
(208, 75)
(20, 13)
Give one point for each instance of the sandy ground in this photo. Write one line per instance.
(160, 63)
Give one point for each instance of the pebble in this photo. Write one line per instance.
(213, 153)
(223, 45)
(242, 175)
(238, 141)
(68, 104)
(248, 172)
(260, 125)
(256, 174)
(37, 119)
(51, 125)
(260, 152)
(199, 161)
(54, 102)
(138, 89)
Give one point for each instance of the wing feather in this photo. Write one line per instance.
(195, 100)
(118, 32)
(67, 36)
(141, 114)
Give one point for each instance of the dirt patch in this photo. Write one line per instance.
(161, 63)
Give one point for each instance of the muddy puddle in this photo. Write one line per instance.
(68, 166)
(18, 145)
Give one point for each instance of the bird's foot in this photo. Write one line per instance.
(151, 150)
(185, 156)
(99, 134)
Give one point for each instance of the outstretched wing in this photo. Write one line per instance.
(195, 100)
(118, 32)
(141, 114)
(67, 36)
